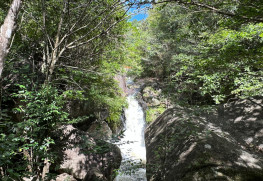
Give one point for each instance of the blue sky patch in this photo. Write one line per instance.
(139, 13)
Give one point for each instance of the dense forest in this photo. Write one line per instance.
(54, 53)
(204, 55)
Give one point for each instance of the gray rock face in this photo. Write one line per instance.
(151, 96)
(95, 175)
(65, 177)
(225, 143)
(121, 80)
(86, 158)
(142, 103)
(100, 130)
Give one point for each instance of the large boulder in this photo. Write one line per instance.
(100, 130)
(86, 112)
(225, 143)
(86, 158)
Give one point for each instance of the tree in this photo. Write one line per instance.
(64, 51)
(246, 11)
(202, 56)
(7, 30)
(69, 29)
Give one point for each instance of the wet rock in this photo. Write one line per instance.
(187, 144)
(121, 79)
(140, 100)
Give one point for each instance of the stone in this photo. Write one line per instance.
(100, 130)
(65, 177)
(95, 175)
(32, 178)
(141, 101)
(82, 155)
(155, 102)
(121, 80)
(185, 144)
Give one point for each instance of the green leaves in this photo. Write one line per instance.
(89, 52)
(200, 57)
(42, 113)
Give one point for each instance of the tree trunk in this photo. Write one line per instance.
(55, 54)
(45, 168)
(7, 30)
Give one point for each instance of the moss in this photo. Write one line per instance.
(153, 112)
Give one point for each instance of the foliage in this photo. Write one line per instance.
(42, 76)
(153, 112)
(41, 113)
(89, 68)
(199, 56)
(131, 49)
(67, 51)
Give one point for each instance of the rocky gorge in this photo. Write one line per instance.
(221, 142)
(224, 143)
(85, 151)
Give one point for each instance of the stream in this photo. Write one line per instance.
(132, 144)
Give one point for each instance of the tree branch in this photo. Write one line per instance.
(206, 6)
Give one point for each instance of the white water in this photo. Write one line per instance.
(132, 144)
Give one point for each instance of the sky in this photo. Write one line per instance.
(138, 17)
(139, 14)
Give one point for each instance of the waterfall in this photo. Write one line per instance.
(132, 144)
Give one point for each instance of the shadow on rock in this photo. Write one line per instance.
(225, 143)
(84, 157)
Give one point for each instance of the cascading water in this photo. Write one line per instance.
(132, 144)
